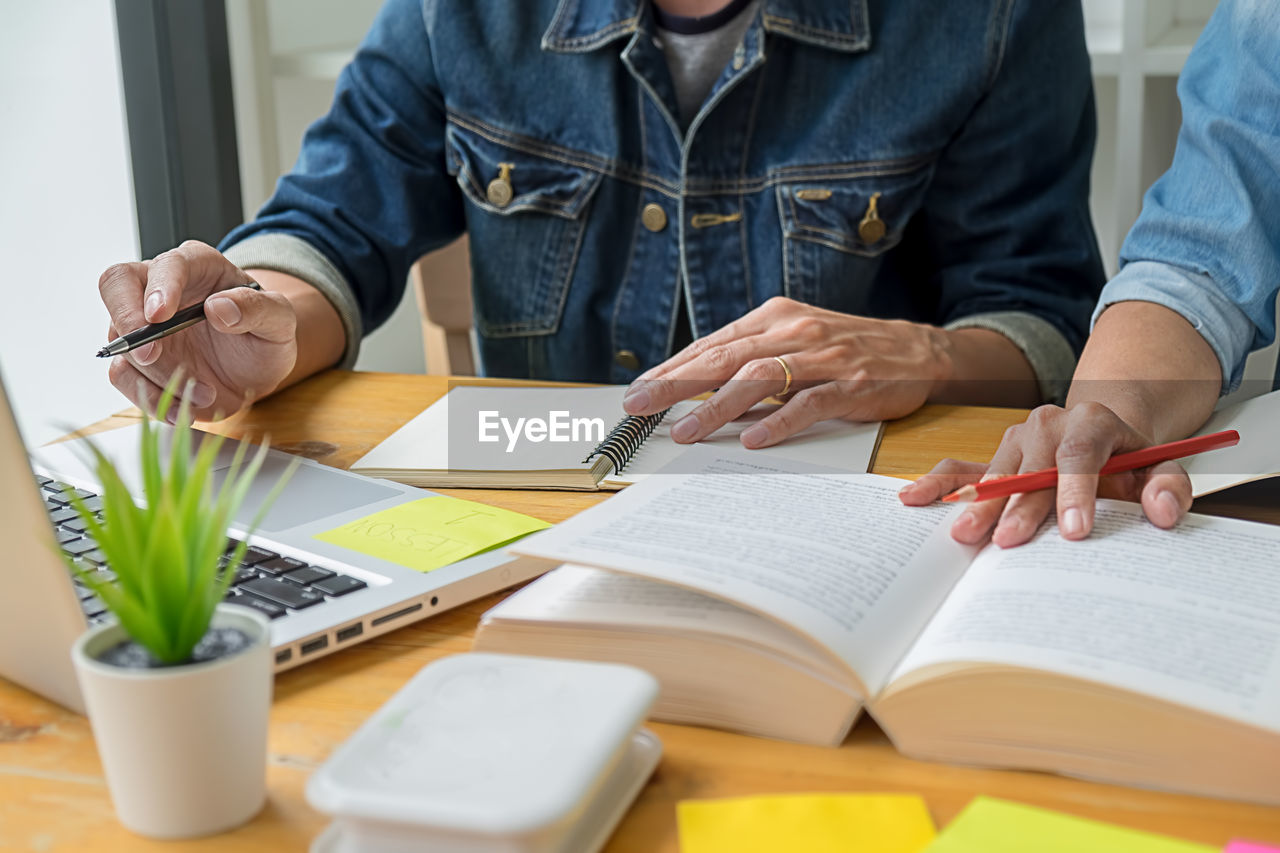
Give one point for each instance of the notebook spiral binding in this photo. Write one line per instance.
(626, 438)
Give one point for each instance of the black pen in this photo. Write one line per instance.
(155, 331)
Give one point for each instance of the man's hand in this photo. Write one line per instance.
(842, 367)
(246, 347)
(1079, 441)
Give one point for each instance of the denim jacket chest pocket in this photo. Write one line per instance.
(834, 231)
(525, 218)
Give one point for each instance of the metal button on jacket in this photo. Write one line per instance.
(871, 229)
(500, 191)
(626, 359)
(654, 217)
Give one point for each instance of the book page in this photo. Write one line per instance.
(1190, 615)
(831, 554)
(1255, 457)
(835, 443)
(580, 596)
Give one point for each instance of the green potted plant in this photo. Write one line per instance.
(178, 687)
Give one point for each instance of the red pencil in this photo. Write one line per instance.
(1034, 481)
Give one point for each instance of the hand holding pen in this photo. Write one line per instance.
(185, 318)
(244, 349)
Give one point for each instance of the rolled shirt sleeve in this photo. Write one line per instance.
(1200, 301)
(1042, 344)
(1207, 244)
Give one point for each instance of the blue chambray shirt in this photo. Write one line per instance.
(967, 128)
(1207, 244)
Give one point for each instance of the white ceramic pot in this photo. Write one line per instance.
(184, 748)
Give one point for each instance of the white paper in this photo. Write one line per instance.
(835, 443)
(1255, 457)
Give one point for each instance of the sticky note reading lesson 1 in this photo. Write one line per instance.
(433, 532)
(814, 823)
(995, 826)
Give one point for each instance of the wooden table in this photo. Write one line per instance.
(53, 797)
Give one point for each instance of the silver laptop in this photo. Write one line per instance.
(321, 597)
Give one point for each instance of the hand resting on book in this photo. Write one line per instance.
(1079, 441)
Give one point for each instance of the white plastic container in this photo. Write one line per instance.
(484, 753)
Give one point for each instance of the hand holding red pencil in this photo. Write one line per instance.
(1084, 442)
(1003, 487)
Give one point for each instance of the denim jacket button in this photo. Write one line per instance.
(871, 229)
(625, 358)
(499, 192)
(654, 218)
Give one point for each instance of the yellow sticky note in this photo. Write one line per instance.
(432, 532)
(805, 823)
(996, 826)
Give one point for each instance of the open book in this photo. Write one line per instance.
(779, 599)
(573, 438)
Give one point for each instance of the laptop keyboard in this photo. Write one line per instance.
(271, 583)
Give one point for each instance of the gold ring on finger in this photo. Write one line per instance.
(786, 370)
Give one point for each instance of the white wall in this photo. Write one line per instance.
(66, 208)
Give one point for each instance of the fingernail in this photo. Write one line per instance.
(225, 310)
(756, 435)
(1008, 527)
(155, 303)
(201, 395)
(685, 428)
(1072, 522)
(636, 399)
(1170, 503)
(146, 354)
(962, 528)
(907, 488)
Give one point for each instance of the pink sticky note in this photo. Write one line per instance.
(1249, 847)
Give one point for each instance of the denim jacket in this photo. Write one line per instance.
(1207, 243)
(890, 159)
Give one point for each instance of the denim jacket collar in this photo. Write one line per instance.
(580, 26)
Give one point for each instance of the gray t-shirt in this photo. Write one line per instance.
(697, 59)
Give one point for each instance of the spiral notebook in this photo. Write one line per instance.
(573, 438)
